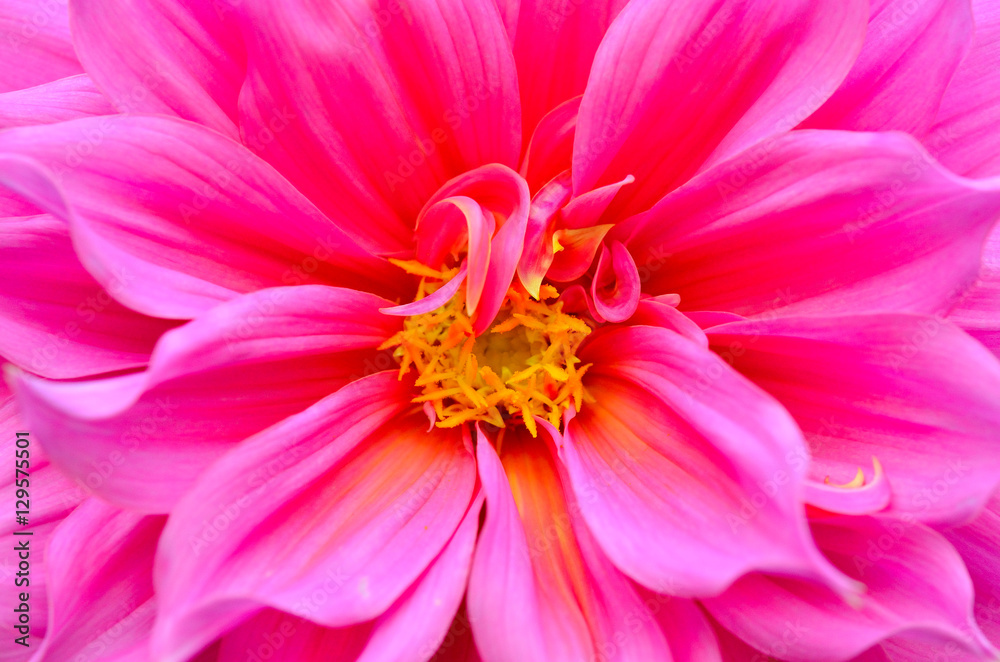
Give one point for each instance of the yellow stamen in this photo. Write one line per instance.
(523, 367)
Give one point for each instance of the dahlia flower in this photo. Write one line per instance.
(478, 330)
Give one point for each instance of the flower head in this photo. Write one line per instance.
(605, 330)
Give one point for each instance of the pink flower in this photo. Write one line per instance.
(662, 287)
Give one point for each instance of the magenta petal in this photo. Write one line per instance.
(384, 103)
(964, 137)
(503, 193)
(914, 392)
(351, 499)
(848, 500)
(59, 101)
(821, 222)
(214, 220)
(910, 54)
(550, 151)
(211, 383)
(453, 224)
(58, 322)
(538, 572)
(654, 311)
(678, 85)
(433, 301)
(52, 498)
(167, 57)
(100, 574)
(978, 309)
(409, 631)
(554, 45)
(690, 476)
(917, 588)
(978, 543)
(616, 285)
(36, 46)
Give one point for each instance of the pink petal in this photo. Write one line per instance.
(36, 47)
(914, 392)
(52, 497)
(455, 223)
(59, 101)
(978, 543)
(58, 322)
(677, 86)
(211, 383)
(585, 210)
(615, 287)
(964, 136)
(978, 308)
(910, 54)
(409, 631)
(539, 250)
(554, 45)
(550, 151)
(538, 573)
(687, 629)
(689, 475)
(386, 103)
(503, 193)
(656, 312)
(579, 248)
(166, 57)
(100, 566)
(214, 221)
(916, 584)
(350, 500)
(821, 222)
(873, 496)
(433, 301)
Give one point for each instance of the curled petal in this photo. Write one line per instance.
(615, 287)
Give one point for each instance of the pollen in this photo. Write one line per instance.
(524, 366)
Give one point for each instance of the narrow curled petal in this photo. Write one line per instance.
(863, 498)
(821, 222)
(917, 588)
(214, 221)
(538, 572)
(36, 46)
(350, 499)
(58, 322)
(615, 287)
(455, 223)
(910, 54)
(100, 574)
(679, 85)
(210, 384)
(914, 392)
(59, 101)
(385, 104)
(964, 137)
(169, 57)
(503, 193)
(670, 418)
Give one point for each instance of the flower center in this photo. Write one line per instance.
(525, 365)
